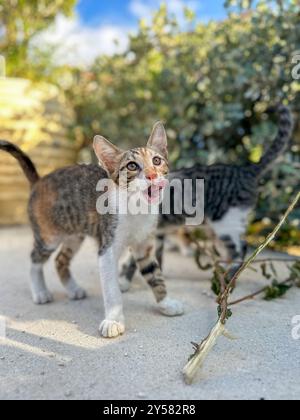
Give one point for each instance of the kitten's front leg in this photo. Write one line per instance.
(114, 323)
(147, 262)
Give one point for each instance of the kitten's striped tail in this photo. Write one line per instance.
(24, 161)
(278, 147)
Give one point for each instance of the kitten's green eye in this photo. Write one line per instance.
(157, 161)
(132, 166)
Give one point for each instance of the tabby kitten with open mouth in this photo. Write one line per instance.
(63, 210)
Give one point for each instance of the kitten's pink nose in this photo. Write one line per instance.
(151, 176)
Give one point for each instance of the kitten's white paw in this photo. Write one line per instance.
(42, 297)
(74, 291)
(124, 284)
(171, 307)
(77, 294)
(111, 329)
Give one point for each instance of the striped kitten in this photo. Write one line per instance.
(62, 211)
(230, 195)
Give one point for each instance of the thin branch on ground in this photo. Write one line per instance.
(258, 293)
(192, 368)
(265, 260)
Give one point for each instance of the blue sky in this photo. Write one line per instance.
(98, 24)
(116, 12)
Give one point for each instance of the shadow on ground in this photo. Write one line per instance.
(55, 352)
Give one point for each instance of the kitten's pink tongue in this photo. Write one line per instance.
(153, 194)
(162, 183)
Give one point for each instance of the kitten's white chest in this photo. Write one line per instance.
(135, 229)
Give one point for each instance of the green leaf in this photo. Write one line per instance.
(229, 313)
(215, 284)
(276, 291)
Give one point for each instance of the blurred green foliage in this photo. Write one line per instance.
(210, 82)
(20, 21)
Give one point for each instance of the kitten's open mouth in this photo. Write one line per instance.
(153, 193)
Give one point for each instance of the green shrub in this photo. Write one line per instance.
(211, 83)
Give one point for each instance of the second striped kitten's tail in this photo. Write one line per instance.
(279, 145)
(24, 161)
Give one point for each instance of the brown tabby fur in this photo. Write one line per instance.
(62, 211)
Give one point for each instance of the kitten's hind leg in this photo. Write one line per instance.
(146, 259)
(129, 266)
(39, 256)
(128, 270)
(69, 249)
(230, 230)
(160, 246)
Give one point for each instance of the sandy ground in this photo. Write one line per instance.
(54, 351)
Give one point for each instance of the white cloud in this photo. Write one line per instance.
(142, 9)
(78, 44)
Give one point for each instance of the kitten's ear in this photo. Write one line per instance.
(107, 154)
(158, 140)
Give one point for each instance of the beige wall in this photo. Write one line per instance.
(37, 119)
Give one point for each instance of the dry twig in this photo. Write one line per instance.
(191, 369)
